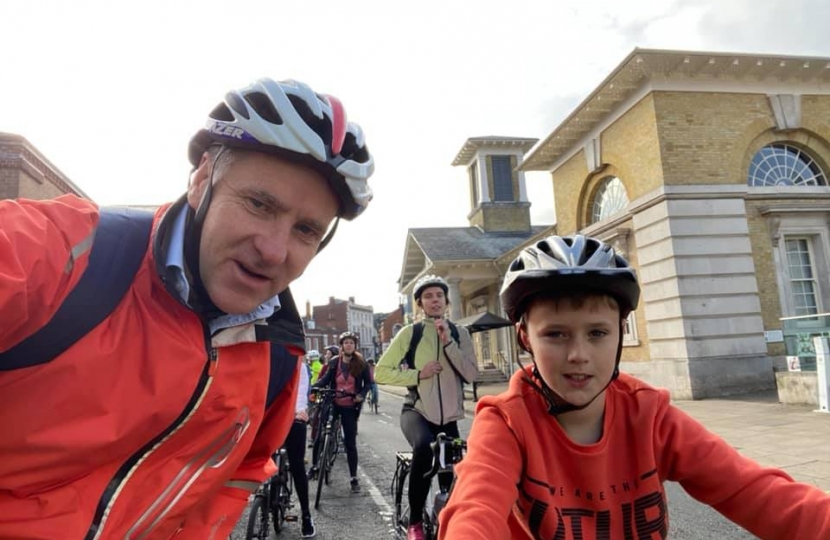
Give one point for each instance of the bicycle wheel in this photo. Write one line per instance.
(283, 501)
(400, 496)
(323, 473)
(258, 520)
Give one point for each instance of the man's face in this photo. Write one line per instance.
(575, 348)
(433, 302)
(266, 219)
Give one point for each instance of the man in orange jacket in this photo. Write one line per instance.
(161, 420)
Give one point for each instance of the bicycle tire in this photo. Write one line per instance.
(257, 520)
(400, 497)
(279, 505)
(322, 474)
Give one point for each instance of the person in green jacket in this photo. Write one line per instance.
(441, 364)
(313, 359)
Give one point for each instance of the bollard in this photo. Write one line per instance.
(822, 366)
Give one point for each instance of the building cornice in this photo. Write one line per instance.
(17, 152)
(654, 69)
(474, 145)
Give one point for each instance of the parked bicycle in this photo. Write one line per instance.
(447, 453)
(329, 435)
(272, 501)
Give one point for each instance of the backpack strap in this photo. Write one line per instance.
(121, 241)
(283, 367)
(417, 334)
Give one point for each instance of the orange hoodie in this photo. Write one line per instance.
(524, 478)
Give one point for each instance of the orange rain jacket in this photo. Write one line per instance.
(147, 427)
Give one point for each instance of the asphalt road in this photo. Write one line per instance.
(368, 515)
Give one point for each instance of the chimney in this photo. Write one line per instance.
(351, 299)
(307, 309)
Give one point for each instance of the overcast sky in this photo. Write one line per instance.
(111, 92)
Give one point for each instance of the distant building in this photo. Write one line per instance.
(26, 173)
(343, 315)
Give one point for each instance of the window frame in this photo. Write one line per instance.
(790, 290)
(500, 180)
(601, 190)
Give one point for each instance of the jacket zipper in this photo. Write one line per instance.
(111, 492)
(438, 376)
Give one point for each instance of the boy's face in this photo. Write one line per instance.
(575, 347)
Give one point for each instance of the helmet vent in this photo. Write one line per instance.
(352, 151)
(590, 248)
(263, 107)
(237, 104)
(321, 126)
(544, 247)
(221, 112)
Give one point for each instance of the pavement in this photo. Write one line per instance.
(794, 438)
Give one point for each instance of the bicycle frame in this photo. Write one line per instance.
(271, 501)
(324, 457)
(447, 452)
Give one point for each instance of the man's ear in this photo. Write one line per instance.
(198, 181)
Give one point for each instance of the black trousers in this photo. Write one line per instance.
(348, 418)
(295, 447)
(420, 433)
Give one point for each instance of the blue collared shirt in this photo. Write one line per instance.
(175, 262)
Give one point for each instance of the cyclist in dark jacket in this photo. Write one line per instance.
(349, 373)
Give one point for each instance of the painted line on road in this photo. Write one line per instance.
(375, 493)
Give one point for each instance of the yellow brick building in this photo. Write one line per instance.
(708, 171)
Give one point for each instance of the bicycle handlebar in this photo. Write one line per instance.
(446, 452)
(333, 392)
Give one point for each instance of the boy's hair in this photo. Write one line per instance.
(575, 299)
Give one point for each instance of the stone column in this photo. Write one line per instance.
(455, 298)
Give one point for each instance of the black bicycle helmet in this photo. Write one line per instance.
(567, 263)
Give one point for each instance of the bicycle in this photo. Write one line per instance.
(271, 501)
(329, 436)
(372, 399)
(447, 452)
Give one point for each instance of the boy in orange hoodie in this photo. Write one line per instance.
(574, 449)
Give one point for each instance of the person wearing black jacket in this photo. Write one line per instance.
(349, 373)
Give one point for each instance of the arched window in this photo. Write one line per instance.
(610, 199)
(784, 165)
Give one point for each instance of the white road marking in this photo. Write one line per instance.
(377, 496)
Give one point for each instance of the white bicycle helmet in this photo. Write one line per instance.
(288, 118)
(429, 280)
(565, 263)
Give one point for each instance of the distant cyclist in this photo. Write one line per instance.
(315, 364)
(374, 386)
(349, 373)
(441, 364)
